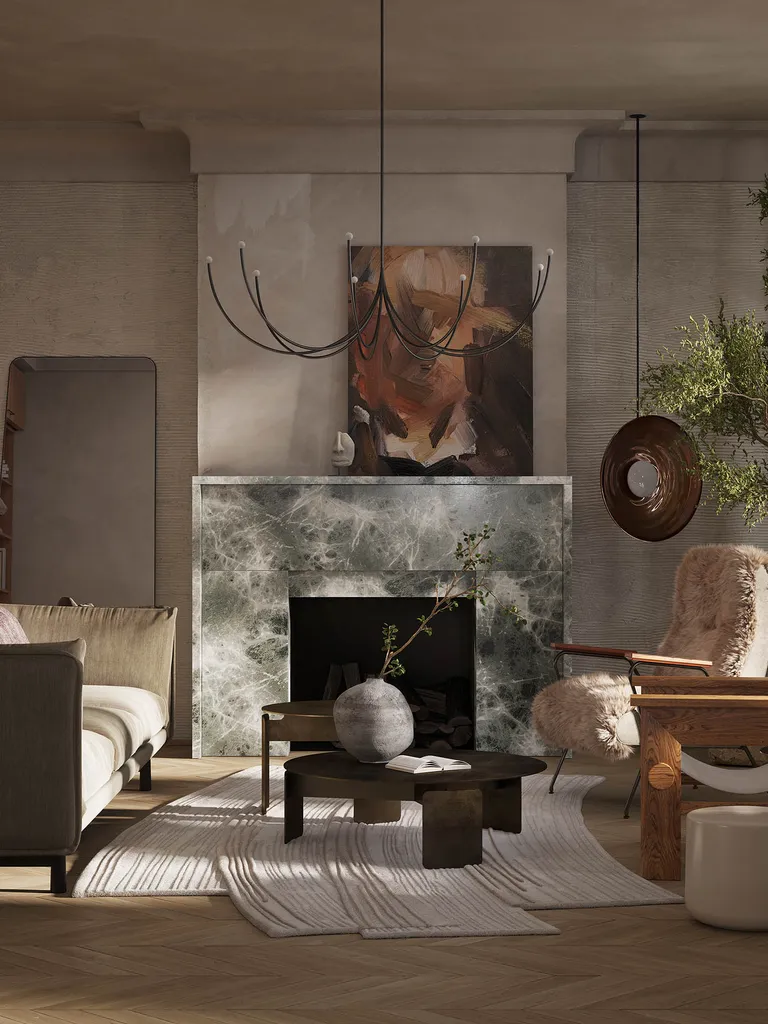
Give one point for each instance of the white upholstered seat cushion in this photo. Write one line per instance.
(98, 763)
(126, 716)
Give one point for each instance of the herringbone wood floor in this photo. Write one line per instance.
(196, 961)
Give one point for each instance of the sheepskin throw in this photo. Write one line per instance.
(720, 613)
(714, 615)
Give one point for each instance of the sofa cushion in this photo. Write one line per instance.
(11, 631)
(125, 715)
(98, 763)
(126, 646)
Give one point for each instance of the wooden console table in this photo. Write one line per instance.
(720, 712)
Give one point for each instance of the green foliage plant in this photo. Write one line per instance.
(468, 581)
(716, 384)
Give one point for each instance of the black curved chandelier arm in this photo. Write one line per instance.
(312, 350)
(494, 346)
(283, 341)
(283, 350)
(399, 323)
(434, 351)
(231, 322)
(320, 352)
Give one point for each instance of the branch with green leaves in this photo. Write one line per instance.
(463, 584)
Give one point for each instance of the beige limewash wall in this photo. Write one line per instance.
(107, 267)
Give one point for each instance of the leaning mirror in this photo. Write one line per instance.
(77, 482)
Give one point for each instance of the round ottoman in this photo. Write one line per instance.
(726, 867)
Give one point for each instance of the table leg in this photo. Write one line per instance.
(660, 794)
(264, 764)
(502, 807)
(373, 812)
(294, 807)
(452, 827)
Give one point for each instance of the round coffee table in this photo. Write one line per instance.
(456, 806)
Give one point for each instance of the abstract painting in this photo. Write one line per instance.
(449, 416)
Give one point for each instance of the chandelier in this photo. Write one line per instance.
(417, 345)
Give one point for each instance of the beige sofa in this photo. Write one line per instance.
(77, 722)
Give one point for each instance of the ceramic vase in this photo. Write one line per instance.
(373, 721)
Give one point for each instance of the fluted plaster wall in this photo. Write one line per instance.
(700, 241)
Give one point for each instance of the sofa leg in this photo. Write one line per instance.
(59, 874)
(145, 777)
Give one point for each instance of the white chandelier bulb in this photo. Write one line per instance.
(550, 252)
(462, 277)
(349, 236)
(475, 239)
(257, 273)
(209, 259)
(354, 280)
(540, 268)
(241, 245)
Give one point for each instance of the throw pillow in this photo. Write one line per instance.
(10, 629)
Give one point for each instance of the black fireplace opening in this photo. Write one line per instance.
(336, 640)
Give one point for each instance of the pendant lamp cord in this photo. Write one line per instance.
(637, 119)
(381, 136)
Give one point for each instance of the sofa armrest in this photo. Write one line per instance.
(41, 720)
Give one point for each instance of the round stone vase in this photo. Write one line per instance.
(373, 721)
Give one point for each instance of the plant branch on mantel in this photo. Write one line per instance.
(717, 385)
(463, 583)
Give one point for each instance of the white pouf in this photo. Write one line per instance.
(726, 867)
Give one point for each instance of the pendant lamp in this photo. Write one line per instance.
(648, 476)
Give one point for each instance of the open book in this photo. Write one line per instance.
(430, 763)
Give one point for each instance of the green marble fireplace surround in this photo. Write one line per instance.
(260, 541)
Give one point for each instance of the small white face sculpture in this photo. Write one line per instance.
(343, 451)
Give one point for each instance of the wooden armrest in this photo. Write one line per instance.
(697, 700)
(596, 652)
(627, 654)
(663, 659)
(704, 684)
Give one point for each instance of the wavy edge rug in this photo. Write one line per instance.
(341, 877)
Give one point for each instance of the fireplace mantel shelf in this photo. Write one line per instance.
(389, 481)
(260, 541)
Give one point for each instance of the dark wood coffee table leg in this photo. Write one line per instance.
(373, 812)
(264, 764)
(294, 807)
(502, 807)
(452, 828)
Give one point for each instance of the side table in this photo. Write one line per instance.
(302, 720)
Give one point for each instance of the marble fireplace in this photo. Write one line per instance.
(262, 543)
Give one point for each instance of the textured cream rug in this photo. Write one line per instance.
(340, 877)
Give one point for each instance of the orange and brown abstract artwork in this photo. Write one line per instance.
(449, 416)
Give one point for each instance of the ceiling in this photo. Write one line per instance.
(87, 60)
